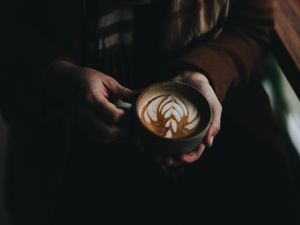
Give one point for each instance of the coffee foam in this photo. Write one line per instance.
(170, 116)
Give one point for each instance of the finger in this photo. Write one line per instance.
(133, 96)
(124, 92)
(211, 134)
(117, 90)
(215, 124)
(108, 111)
(127, 103)
(216, 111)
(178, 78)
(106, 107)
(193, 156)
(100, 130)
(202, 84)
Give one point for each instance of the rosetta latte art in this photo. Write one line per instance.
(170, 116)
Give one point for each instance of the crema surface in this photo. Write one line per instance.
(170, 116)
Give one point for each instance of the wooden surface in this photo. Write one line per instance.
(286, 43)
(287, 25)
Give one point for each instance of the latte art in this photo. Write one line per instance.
(170, 116)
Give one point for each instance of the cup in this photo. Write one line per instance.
(167, 144)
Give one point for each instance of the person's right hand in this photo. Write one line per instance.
(98, 113)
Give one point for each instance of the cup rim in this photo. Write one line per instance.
(194, 136)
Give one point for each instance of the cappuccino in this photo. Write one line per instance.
(170, 116)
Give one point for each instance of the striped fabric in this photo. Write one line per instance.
(191, 19)
(114, 38)
(185, 21)
(115, 28)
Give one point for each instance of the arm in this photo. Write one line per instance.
(42, 75)
(232, 58)
(229, 60)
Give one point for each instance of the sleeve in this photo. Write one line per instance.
(236, 54)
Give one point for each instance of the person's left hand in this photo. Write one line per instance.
(201, 83)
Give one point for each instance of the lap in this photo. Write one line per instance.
(239, 177)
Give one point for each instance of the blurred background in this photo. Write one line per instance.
(4, 220)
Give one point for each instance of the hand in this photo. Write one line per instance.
(200, 82)
(97, 111)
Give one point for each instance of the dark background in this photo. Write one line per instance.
(3, 143)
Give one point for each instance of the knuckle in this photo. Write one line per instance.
(102, 100)
(123, 91)
(217, 111)
(217, 105)
(112, 82)
(220, 107)
(215, 127)
(88, 73)
(126, 91)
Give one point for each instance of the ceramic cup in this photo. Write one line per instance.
(158, 144)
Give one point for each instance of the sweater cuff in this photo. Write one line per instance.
(215, 67)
